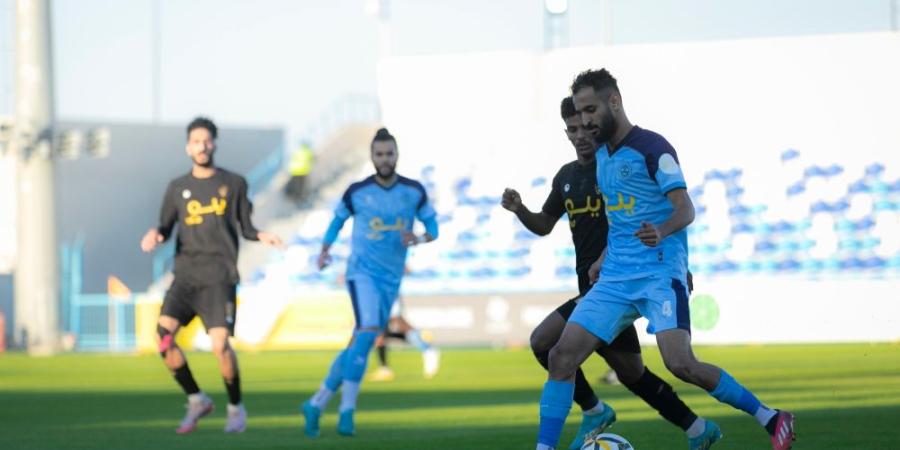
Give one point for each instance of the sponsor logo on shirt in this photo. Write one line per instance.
(196, 210)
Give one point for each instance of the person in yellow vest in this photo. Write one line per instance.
(300, 166)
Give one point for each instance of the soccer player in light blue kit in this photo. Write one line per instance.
(384, 207)
(643, 271)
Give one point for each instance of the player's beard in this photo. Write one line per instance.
(205, 164)
(385, 172)
(605, 131)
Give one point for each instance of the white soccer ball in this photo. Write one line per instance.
(606, 441)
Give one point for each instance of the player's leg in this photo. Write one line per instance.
(431, 357)
(337, 372)
(217, 305)
(371, 303)
(574, 346)
(228, 366)
(543, 338)
(599, 316)
(177, 311)
(383, 372)
(671, 323)
(624, 356)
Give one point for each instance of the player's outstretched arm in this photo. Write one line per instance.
(540, 223)
(151, 239)
(270, 239)
(682, 216)
(331, 235)
(168, 214)
(324, 257)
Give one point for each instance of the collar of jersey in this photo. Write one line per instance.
(624, 141)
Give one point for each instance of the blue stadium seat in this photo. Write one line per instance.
(725, 266)
(822, 206)
(782, 226)
(520, 252)
(734, 192)
(739, 210)
(765, 247)
(525, 235)
(483, 272)
(788, 265)
(859, 186)
(741, 227)
(796, 188)
(518, 272)
(874, 169)
(886, 205)
(823, 171)
(789, 154)
(812, 265)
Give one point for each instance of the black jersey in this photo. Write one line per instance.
(575, 193)
(210, 213)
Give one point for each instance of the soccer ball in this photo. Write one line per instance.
(606, 441)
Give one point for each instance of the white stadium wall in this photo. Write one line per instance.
(790, 146)
(7, 213)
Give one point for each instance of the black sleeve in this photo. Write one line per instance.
(168, 214)
(244, 208)
(554, 206)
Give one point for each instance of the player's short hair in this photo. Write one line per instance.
(567, 108)
(203, 122)
(601, 80)
(383, 135)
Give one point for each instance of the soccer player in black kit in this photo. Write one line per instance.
(211, 208)
(575, 193)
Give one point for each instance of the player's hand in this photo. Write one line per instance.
(270, 239)
(408, 238)
(151, 240)
(648, 234)
(594, 271)
(324, 259)
(511, 200)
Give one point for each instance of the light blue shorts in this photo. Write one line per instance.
(372, 300)
(611, 306)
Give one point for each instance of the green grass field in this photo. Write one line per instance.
(844, 396)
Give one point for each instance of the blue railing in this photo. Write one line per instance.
(97, 321)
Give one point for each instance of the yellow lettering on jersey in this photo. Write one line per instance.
(627, 206)
(589, 208)
(196, 210)
(378, 226)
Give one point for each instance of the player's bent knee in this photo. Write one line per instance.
(166, 340)
(681, 370)
(561, 363)
(629, 367)
(540, 342)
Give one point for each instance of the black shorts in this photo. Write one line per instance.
(626, 341)
(215, 304)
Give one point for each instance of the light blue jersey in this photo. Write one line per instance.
(634, 180)
(379, 215)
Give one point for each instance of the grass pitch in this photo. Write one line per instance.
(844, 396)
